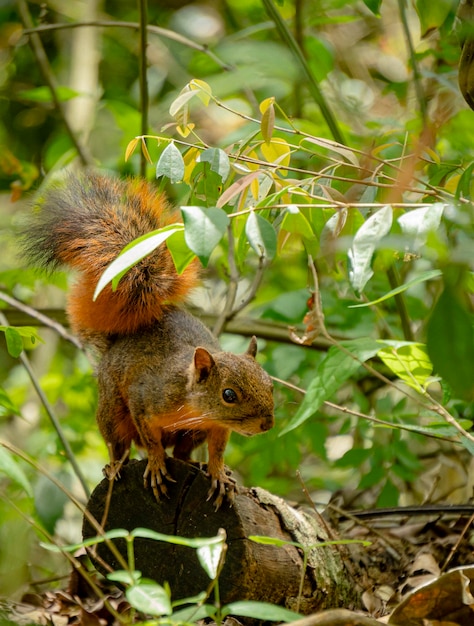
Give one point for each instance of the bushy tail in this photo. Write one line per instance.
(84, 222)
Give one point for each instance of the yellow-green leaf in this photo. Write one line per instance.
(277, 152)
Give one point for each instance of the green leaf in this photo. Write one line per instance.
(218, 160)
(149, 598)
(110, 534)
(134, 252)
(14, 341)
(43, 94)
(10, 468)
(374, 6)
(425, 276)
(181, 101)
(261, 236)
(181, 254)
(365, 242)
(170, 164)
(191, 542)
(432, 14)
(295, 222)
(271, 541)
(191, 614)
(337, 366)
(450, 343)
(320, 57)
(267, 123)
(125, 577)
(209, 558)
(463, 189)
(409, 361)
(7, 407)
(417, 224)
(261, 611)
(19, 337)
(204, 228)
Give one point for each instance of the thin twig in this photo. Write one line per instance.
(400, 303)
(43, 319)
(48, 76)
(311, 82)
(156, 30)
(234, 277)
(143, 11)
(252, 290)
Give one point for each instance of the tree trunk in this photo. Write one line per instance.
(252, 571)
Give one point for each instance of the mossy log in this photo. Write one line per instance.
(252, 571)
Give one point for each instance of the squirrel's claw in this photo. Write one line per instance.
(112, 470)
(156, 470)
(225, 487)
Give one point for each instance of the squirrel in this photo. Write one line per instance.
(163, 378)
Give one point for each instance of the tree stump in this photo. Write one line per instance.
(252, 571)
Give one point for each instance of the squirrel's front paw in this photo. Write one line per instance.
(225, 487)
(156, 470)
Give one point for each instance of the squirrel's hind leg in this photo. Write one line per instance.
(117, 460)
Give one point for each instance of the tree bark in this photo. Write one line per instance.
(252, 571)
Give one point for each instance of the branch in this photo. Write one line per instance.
(156, 30)
(44, 320)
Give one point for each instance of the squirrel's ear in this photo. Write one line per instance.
(203, 363)
(252, 349)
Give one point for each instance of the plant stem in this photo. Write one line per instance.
(312, 83)
(400, 303)
(143, 11)
(420, 94)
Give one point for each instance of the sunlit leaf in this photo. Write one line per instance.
(409, 361)
(130, 149)
(432, 14)
(43, 94)
(277, 151)
(203, 89)
(364, 244)
(209, 558)
(181, 101)
(267, 122)
(133, 253)
(149, 598)
(333, 146)
(417, 224)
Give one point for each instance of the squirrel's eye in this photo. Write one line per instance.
(229, 396)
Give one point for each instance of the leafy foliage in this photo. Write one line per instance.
(323, 165)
